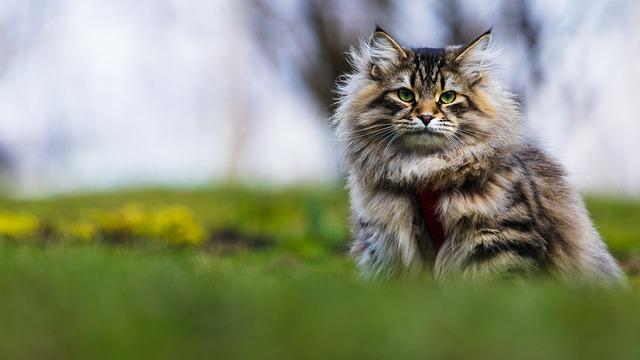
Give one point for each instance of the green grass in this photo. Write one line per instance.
(618, 221)
(300, 299)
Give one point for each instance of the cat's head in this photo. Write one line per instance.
(424, 99)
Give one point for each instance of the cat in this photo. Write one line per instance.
(441, 178)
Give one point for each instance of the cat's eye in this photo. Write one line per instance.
(447, 97)
(406, 95)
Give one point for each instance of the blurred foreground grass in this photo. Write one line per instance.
(268, 279)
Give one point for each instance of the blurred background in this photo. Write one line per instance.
(114, 93)
(169, 184)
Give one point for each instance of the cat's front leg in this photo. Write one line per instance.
(384, 233)
(375, 250)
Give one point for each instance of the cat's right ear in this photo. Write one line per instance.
(385, 52)
(475, 58)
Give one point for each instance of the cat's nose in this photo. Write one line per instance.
(425, 118)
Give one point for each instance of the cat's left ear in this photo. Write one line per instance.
(474, 59)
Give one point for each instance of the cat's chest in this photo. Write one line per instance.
(429, 199)
(444, 211)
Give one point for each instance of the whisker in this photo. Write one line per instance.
(369, 127)
(393, 137)
(361, 136)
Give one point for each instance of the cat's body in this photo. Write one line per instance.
(409, 118)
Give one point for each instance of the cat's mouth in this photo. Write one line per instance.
(426, 132)
(424, 138)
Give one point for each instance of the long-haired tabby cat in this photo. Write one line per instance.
(441, 178)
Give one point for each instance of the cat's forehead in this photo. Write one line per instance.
(427, 64)
(428, 54)
(424, 70)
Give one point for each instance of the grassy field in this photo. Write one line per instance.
(238, 273)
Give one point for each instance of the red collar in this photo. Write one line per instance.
(429, 199)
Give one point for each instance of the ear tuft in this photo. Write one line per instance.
(476, 58)
(476, 47)
(385, 52)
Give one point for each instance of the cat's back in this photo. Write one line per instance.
(537, 162)
(561, 215)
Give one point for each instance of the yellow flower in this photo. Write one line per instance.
(177, 225)
(16, 226)
(84, 231)
(128, 220)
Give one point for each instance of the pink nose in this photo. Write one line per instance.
(425, 118)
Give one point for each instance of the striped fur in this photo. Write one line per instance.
(506, 206)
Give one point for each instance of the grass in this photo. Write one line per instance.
(299, 298)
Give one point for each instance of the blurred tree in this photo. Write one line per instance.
(238, 112)
(5, 167)
(322, 73)
(528, 27)
(320, 21)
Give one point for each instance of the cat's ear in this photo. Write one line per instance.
(385, 52)
(475, 58)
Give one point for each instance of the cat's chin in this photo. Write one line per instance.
(424, 142)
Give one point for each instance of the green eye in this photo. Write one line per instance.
(447, 97)
(406, 95)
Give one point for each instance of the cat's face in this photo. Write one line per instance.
(422, 98)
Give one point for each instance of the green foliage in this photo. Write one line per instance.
(308, 221)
